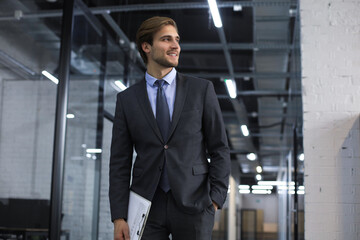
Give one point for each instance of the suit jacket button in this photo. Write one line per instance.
(166, 147)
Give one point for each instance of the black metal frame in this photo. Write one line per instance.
(57, 177)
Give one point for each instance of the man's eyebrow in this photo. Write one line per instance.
(165, 36)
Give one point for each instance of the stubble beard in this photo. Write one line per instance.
(162, 61)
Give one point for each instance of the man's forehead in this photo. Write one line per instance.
(169, 31)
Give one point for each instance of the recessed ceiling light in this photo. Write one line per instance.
(251, 156)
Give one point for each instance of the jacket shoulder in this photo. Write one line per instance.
(194, 80)
(131, 91)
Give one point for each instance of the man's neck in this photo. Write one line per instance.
(158, 73)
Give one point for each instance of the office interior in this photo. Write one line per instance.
(62, 64)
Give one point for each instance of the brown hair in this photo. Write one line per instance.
(147, 30)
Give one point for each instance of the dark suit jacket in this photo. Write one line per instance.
(197, 129)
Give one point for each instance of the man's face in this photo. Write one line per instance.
(165, 49)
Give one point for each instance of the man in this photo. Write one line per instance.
(174, 123)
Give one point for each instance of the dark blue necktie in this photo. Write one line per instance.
(163, 122)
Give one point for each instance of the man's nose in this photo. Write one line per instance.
(175, 45)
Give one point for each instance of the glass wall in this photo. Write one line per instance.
(28, 46)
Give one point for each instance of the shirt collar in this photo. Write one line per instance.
(169, 78)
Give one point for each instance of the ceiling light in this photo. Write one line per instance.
(70, 115)
(215, 13)
(49, 76)
(237, 8)
(302, 157)
(259, 187)
(231, 87)
(251, 156)
(275, 183)
(261, 191)
(93, 150)
(259, 169)
(258, 177)
(244, 187)
(244, 191)
(244, 130)
(120, 85)
(88, 155)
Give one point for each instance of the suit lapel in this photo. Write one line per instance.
(181, 91)
(144, 103)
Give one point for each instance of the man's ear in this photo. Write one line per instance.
(145, 47)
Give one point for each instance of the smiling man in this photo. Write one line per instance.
(174, 123)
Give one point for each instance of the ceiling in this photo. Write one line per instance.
(258, 47)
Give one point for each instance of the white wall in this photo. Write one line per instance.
(268, 203)
(331, 89)
(26, 138)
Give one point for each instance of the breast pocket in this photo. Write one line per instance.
(190, 121)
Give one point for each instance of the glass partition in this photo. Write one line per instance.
(28, 47)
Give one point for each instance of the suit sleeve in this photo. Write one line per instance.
(120, 164)
(217, 147)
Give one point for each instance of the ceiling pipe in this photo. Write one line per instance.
(146, 7)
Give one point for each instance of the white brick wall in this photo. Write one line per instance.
(26, 138)
(331, 89)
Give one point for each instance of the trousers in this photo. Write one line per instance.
(166, 218)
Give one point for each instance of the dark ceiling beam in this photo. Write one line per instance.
(225, 48)
(124, 40)
(257, 93)
(261, 115)
(147, 7)
(275, 135)
(234, 46)
(16, 66)
(264, 75)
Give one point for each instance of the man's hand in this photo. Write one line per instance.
(121, 230)
(216, 207)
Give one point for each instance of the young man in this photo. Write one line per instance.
(174, 123)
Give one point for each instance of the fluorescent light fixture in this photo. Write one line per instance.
(244, 130)
(301, 157)
(261, 191)
(244, 191)
(244, 187)
(286, 187)
(49, 76)
(120, 85)
(70, 115)
(301, 188)
(251, 156)
(258, 177)
(231, 87)
(302, 192)
(275, 183)
(237, 7)
(93, 150)
(259, 187)
(259, 169)
(215, 13)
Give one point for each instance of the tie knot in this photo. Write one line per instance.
(160, 82)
